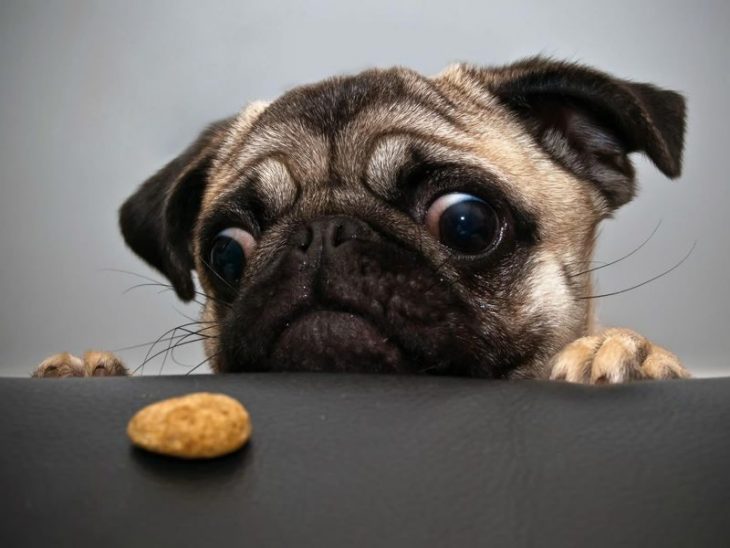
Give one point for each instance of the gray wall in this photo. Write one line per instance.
(95, 96)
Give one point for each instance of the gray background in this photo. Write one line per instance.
(95, 96)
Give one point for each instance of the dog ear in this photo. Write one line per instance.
(158, 219)
(589, 121)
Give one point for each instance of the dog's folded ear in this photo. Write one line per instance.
(589, 121)
(158, 219)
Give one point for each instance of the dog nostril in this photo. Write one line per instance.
(345, 231)
(303, 238)
(338, 234)
(329, 232)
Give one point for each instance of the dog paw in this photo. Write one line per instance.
(614, 356)
(93, 364)
(103, 364)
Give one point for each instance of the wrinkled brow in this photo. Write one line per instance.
(274, 180)
(395, 155)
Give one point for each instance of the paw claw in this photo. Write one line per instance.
(94, 364)
(617, 355)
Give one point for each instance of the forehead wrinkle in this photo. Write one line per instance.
(312, 154)
(429, 94)
(392, 151)
(355, 143)
(305, 150)
(239, 128)
(236, 134)
(389, 154)
(469, 90)
(276, 184)
(270, 173)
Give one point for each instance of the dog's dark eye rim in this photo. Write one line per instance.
(230, 214)
(503, 231)
(425, 182)
(242, 237)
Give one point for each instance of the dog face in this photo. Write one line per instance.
(395, 223)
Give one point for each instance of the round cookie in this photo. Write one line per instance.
(195, 426)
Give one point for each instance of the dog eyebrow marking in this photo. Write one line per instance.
(389, 156)
(269, 176)
(275, 181)
(369, 143)
(303, 152)
(394, 152)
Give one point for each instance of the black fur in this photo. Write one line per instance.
(157, 220)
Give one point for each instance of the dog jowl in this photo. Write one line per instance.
(389, 222)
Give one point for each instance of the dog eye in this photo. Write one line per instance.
(464, 223)
(228, 254)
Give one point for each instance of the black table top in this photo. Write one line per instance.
(358, 460)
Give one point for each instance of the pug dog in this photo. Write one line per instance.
(394, 223)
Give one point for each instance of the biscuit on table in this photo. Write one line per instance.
(195, 426)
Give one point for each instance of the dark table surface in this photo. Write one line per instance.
(355, 460)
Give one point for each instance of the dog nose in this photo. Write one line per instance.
(326, 234)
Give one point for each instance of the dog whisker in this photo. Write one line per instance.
(167, 286)
(182, 342)
(157, 341)
(175, 360)
(187, 317)
(157, 283)
(216, 274)
(171, 351)
(192, 319)
(130, 273)
(635, 250)
(666, 272)
(206, 360)
(141, 345)
(166, 350)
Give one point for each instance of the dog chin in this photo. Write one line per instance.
(337, 342)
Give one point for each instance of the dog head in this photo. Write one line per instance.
(396, 223)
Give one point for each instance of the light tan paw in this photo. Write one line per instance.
(94, 364)
(614, 356)
(60, 365)
(103, 364)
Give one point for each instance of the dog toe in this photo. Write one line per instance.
(60, 365)
(103, 364)
(93, 364)
(615, 356)
(662, 364)
(573, 364)
(619, 357)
